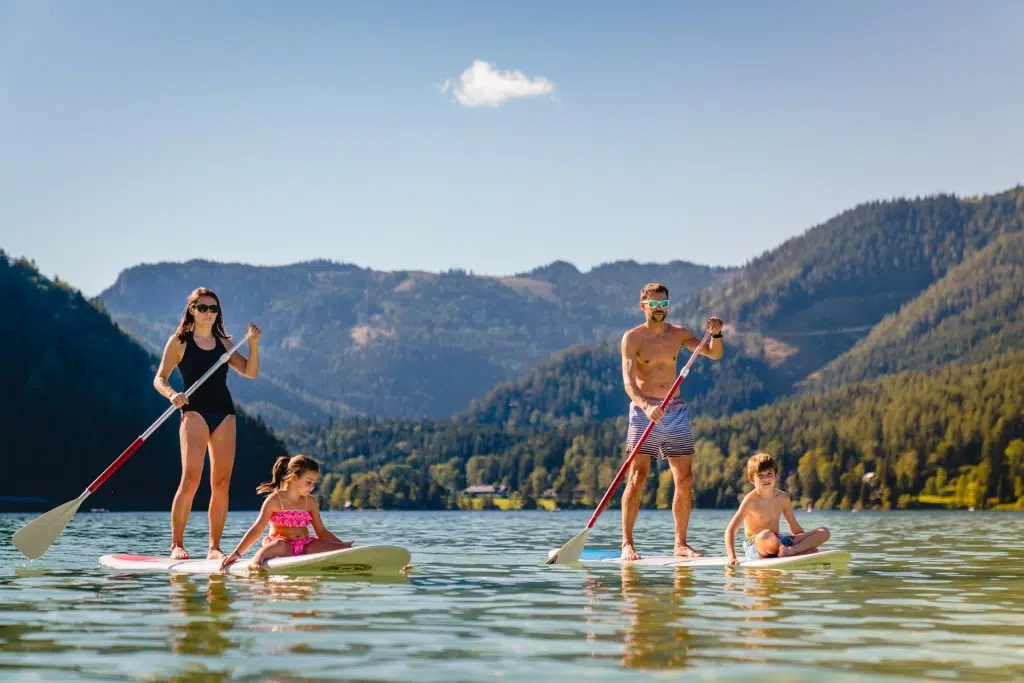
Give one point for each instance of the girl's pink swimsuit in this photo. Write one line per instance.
(294, 519)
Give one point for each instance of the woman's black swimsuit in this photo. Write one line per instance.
(211, 400)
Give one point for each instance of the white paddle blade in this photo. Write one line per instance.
(37, 536)
(570, 552)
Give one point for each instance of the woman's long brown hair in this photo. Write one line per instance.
(188, 320)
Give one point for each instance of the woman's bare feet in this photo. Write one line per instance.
(215, 554)
(178, 552)
(629, 553)
(684, 550)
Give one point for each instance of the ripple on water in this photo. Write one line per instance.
(917, 602)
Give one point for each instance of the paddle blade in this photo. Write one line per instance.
(37, 536)
(570, 552)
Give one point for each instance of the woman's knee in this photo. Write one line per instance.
(824, 532)
(220, 483)
(190, 481)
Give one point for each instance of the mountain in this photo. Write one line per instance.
(343, 340)
(794, 310)
(953, 437)
(77, 391)
(973, 313)
(817, 294)
(584, 383)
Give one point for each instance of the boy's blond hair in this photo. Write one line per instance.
(761, 462)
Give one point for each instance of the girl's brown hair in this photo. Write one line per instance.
(188, 319)
(284, 469)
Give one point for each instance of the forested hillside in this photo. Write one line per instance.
(76, 392)
(951, 437)
(974, 313)
(585, 383)
(793, 312)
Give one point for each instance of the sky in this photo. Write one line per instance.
(493, 137)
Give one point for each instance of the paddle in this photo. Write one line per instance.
(570, 552)
(37, 536)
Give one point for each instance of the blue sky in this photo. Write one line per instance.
(268, 132)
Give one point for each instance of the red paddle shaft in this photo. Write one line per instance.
(650, 426)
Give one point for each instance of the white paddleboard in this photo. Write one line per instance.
(823, 559)
(367, 559)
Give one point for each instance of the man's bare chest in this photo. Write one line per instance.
(661, 349)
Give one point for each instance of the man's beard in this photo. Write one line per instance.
(658, 316)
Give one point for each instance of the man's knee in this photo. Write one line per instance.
(639, 470)
(684, 486)
(682, 498)
(682, 469)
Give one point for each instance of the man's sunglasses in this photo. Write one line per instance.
(655, 304)
(203, 308)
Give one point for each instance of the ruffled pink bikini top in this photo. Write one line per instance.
(291, 518)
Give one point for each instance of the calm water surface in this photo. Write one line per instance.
(928, 596)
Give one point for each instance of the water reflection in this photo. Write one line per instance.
(657, 637)
(762, 591)
(207, 612)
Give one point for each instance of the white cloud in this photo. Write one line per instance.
(481, 85)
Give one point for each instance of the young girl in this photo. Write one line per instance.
(289, 509)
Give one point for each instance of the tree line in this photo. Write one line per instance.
(952, 437)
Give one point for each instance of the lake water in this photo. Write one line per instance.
(928, 596)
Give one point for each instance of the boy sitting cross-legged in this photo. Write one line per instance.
(759, 512)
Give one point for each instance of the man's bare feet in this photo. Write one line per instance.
(629, 553)
(178, 552)
(684, 550)
(215, 554)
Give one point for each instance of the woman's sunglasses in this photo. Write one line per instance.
(203, 308)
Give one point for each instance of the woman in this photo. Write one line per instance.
(208, 415)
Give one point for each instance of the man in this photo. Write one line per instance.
(649, 354)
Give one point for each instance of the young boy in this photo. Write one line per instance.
(760, 511)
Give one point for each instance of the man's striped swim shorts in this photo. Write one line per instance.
(670, 437)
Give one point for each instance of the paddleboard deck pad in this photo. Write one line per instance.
(823, 559)
(367, 559)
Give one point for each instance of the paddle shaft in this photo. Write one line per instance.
(650, 426)
(128, 452)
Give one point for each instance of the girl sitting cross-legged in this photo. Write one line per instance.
(289, 509)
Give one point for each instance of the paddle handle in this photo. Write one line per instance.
(650, 426)
(128, 452)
